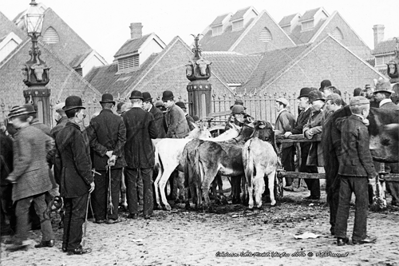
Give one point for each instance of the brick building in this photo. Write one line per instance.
(384, 49)
(67, 55)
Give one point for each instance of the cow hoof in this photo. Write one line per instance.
(167, 207)
(273, 203)
(251, 208)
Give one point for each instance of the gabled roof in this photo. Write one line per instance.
(272, 63)
(105, 78)
(285, 21)
(219, 20)
(231, 67)
(301, 37)
(240, 13)
(221, 42)
(309, 15)
(131, 46)
(385, 47)
(77, 61)
(7, 26)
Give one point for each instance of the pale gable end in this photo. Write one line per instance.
(263, 35)
(7, 26)
(8, 44)
(337, 27)
(135, 52)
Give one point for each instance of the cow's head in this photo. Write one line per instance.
(203, 66)
(264, 131)
(384, 134)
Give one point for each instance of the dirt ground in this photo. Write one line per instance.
(229, 236)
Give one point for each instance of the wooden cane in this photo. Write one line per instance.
(85, 227)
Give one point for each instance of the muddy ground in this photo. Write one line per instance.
(229, 236)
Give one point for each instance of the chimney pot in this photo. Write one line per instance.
(136, 30)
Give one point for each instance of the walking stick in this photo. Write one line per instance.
(110, 205)
(85, 227)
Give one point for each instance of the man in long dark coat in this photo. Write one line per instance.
(139, 155)
(382, 95)
(76, 179)
(176, 123)
(159, 119)
(303, 118)
(107, 140)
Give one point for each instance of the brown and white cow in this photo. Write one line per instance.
(259, 160)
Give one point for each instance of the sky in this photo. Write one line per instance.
(104, 24)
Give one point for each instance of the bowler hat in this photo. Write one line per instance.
(325, 83)
(383, 86)
(316, 95)
(107, 98)
(25, 109)
(283, 101)
(358, 100)
(181, 105)
(167, 95)
(147, 97)
(136, 95)
(305, 92)
(73, 102)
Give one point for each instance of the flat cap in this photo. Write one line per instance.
(283, 101)
(359, 100)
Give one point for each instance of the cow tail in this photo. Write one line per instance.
(249, 167)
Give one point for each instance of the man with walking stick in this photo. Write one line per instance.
(107, 140)
(76, 179)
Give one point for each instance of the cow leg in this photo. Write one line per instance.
(259, 183)
(236, 189)
(208, 178)
(180, 186)
(123, 201)
(162, 184)
(271, 182)
(250, 192)
(156, 189)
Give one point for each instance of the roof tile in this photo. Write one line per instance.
(131, 46)
(385, 47)
(239, 14)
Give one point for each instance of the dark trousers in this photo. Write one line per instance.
(358, 185)
(332, 187)
(100, 195)
(75, 211)
(22, 213)
(312, 184)
(287, 160)
(131, 176)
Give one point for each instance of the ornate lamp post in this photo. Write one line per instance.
(35, 71)
(199, 89)
(393, 65)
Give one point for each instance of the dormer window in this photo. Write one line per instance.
(217, 30)
(129, 62)
(307, 25)
(238, 25)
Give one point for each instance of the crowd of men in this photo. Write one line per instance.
(88, 162)
(350, 168)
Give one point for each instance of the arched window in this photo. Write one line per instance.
(337, 34)
(265, 35)
(51, 36)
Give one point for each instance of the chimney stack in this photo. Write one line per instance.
(136, 30)
(378, 34)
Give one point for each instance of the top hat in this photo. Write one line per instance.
(136, 95)
(316, 95)
(167, 95)
(283, 101)
(107, 98)
(25, 109)
(147, 97)
(181, 105)
(73, 102)
(305, 92)
(383, 86)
